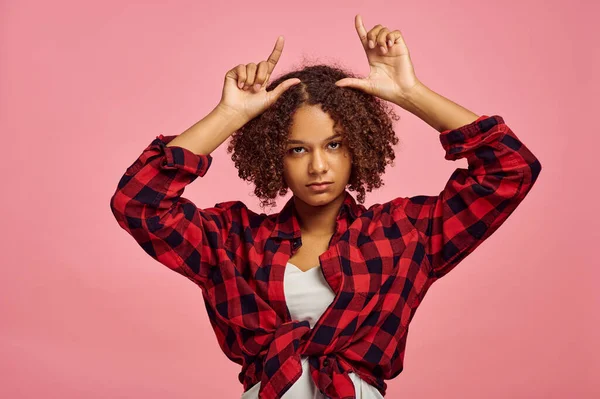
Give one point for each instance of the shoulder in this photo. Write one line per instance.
(408, 212)
(238, 212)
(245, 224)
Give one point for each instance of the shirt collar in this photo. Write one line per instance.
(288, 227)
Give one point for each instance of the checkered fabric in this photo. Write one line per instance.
(380, 262)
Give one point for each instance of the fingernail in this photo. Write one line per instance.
(257, 87)
(382, 48)
(371, 44)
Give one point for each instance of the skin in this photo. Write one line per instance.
(313, 154)
(316, 153)
(391, 78)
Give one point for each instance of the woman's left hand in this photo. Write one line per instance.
(392, 75)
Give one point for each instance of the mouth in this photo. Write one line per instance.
(320, 186)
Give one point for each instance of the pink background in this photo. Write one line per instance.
(85, 88)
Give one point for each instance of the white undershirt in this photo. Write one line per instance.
(308, 295)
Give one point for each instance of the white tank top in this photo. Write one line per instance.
(307, 295)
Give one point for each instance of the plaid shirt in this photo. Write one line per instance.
(380, 262)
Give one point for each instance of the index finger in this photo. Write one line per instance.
(360, 29)
(275, 54)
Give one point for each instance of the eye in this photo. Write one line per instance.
(298, 150)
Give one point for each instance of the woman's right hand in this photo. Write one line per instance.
(240, 96)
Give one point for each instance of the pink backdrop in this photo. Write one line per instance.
(85, 87)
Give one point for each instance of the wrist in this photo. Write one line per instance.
(435, 110)
(230, 116)
(410, 99)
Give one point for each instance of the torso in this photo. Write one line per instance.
(307, 256)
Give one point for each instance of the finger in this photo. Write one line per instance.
(354, 83)
(394, 37)
(360, 29)
(240, 71)
(261, 75)
(281, 88)
(275, 54)
(381, 39)
(251, 74)
(372, 35)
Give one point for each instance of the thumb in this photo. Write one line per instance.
(354, 83)
(281, 88)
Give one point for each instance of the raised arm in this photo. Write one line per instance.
(148, 201)
(476, 200)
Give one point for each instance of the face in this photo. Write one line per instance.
(316, 153)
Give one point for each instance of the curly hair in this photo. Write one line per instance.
(365, 122)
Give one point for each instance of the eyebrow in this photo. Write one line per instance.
(302, 142)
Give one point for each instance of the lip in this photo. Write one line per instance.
(320, 183)
(320, 186)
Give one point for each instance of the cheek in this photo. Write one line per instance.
(285, 172)
(345, 160)
(288, 172)
(347, 165)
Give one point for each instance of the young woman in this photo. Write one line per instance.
(315, 301)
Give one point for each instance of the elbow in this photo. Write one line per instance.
(535, 167)
(118, 206)
(528, 176)
(117, 209)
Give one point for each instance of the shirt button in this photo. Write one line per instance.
(296, 243)
(326, 362)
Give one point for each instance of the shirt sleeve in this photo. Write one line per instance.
(170, 228)
(477, 200)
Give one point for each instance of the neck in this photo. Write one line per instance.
(318, 220)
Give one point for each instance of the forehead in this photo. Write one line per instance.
(311, 124)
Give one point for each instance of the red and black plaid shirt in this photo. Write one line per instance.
(380, 262)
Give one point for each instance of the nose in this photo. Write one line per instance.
(318, 162)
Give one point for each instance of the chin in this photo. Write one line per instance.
(319, 199)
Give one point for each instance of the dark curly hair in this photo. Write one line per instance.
(365, 121)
